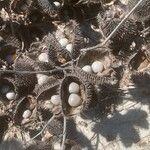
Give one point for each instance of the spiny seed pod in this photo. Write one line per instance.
(8, 89)
(142, 12)
(92, 56)
(25, 82)
(48, 89)
(74, 33)
(85, 95)
(124, 36)
(56, 53)
(24, 104)
(56, 127)
(91, 78)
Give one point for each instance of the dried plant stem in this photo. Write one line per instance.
(49, 121)
(115, 30)
(64, 134)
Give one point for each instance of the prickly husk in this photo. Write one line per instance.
(86, 94)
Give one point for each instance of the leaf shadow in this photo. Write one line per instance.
(123, 126)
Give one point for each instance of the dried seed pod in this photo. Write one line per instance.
(124, 36)
(56, 53)
(23, 105)
(25, 82)
(142, 12)
(45, 91)
(75, 36)
(91, 78)
(7, 86)
(85, 94)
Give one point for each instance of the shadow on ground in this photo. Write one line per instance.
(123, 126)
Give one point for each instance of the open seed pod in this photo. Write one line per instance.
(8, 89)
(75, 102)
(142, 12)
(97, 62)
(57, 54)
(140, 61)
(48, 95)
(23, 110)
(25, 83)
(74, 34)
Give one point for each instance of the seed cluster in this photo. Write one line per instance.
(52, 62)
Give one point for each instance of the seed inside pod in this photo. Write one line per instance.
(69, 48)
(55, 99)
(74, 88)
(57, 4)
(63, 42)
(97, 66)
(11, 95)
(74, 100)
(87, 68)
(26, 114)
(5, 89)
(43, 57)
(42, 78)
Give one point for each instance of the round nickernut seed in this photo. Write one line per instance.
(74, 88)
(74, 100)
(43, 57)
(26, 114)
(11, 95)
(63, 42)
(87, 68)
(97, 66)
(55, 99)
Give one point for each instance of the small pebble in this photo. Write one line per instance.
(74, 100)
(42, 78)
(55, 99)
(87, 68)
(69, 48)
(74, 88)
(5, 89)
(26, 114)
(63, 42)
(11, 95)
(97, 66)
(43, 57)
(57, 4)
